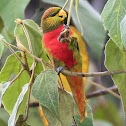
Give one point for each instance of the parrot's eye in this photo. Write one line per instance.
(54, 14)
(61, 16)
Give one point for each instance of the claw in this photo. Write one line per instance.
(59, 69)
(66, 26)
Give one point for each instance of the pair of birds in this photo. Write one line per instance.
(60, 43)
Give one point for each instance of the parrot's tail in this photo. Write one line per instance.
(78, 91)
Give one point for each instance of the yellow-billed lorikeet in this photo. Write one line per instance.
(64, 53)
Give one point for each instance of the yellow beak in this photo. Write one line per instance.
(62, 14)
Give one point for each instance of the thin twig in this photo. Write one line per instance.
(91, 95)
(30, 88)
(28, 39)
(61, 82)
(26, 63)
(39, 59)
(17, 76)
(70, 73)
(69, 14)
(74, 121)
(43, 65)
(101, 92)
(13, 46)
(93, 74)
(18, 58)
(26, 33)
(65, 4)
(102, 87)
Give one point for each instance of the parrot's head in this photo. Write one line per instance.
(52, 19)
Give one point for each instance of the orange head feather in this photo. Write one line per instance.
(52, 19)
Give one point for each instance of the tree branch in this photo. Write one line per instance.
(91, 95)
(70, 73)
(104, 88)
(93, 74)
(101, 92)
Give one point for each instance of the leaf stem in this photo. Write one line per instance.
(74, 121)
(18, 58)
(61, 82)
(26, 63)
(28, 38)
(26, 33)
(43, 65)
(65, 4)
(39, 59)
(17, 76)
(30, 88)
(13, 46)
(70, 9)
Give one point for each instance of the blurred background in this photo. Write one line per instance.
(107, 109)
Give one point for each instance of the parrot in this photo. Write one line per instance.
(62, 48)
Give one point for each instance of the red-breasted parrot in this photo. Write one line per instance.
(64, 54)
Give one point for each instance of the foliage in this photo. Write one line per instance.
(27, 70)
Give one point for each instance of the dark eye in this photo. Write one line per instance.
(61, 16)
(52, 15)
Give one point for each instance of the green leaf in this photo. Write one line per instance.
(88, 121)
(2, 123)
(51, 117)
(102, 123)
(93, 31)
(34, 118)
(3, 88)
(10, 96)
(12, 66)
(66, 111)
(123, 31)
(20, 123)
(9, 13)
(12, 119)
(102, 112)
(34, 35)
(66, 108)
(46, 92)
(116, 60)
(77, 3)
(39, 66)
(1, 45)
(1, 24)
(113, 13)
(7, 35)
(4, 115)
(3, 30)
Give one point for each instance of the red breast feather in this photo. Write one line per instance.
(58, 50)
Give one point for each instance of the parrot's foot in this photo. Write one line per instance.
(65, 35)
(59, 69)
(63, 40)
(66, 26)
